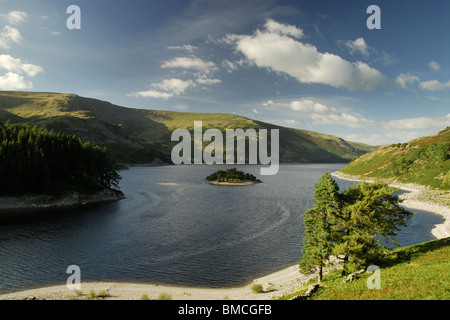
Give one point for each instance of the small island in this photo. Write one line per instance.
(231, 177)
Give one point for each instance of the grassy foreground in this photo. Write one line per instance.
(417, 272)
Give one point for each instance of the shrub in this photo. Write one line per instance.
(92, 295)
(165, 296)
(257, 288)
(103, 294)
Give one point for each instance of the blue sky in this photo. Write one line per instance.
(304, 64)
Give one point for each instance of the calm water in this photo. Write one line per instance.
(191, 233)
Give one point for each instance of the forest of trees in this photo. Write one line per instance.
(34, 160)
(350, 224)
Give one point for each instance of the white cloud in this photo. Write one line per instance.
(228, 66)
(283, 29)
(166, 89)
(268, 103)
(8, 35)
(321, 114)
(402, 130)
(15, 17)
(185, 47)
(14, 81)
(403, 79)
(199, 70)
(434, 66)
(152, 94)
(357, 46)
(203, 79)
(291, 122)
(360, 46)
(190, 63)
(385, 138)
(14, 64)
(434, 85)
(175, 86)
(422, 123)
(280, 53)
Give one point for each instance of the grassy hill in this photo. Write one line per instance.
(424, 161)
(142, 136)
(417, 272)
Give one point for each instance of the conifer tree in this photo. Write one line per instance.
(350, 224)
(370, 212)
(318, 221)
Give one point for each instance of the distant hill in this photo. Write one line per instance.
(424, 161)
(137, 136)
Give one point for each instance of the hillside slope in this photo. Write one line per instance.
(416, 272)
(424, 161)
(142, 136)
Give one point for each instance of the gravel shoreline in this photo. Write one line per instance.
(274, 285)
(66, 199)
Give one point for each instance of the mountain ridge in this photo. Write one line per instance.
(137, 136)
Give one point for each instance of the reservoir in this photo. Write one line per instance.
(173, 228)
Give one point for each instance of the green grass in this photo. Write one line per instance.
(418, 272)
(424, 161)
(165, 296)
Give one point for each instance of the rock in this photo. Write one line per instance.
(312, 288)
(268, 286)
(353, 275)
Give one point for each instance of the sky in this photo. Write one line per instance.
(305, 64)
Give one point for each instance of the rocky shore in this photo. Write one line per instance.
(65, 199)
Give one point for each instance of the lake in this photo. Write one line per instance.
(173, 228)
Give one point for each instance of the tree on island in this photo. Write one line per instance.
(350, 224)
(33, 160)
(231, 175)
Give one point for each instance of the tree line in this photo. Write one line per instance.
(350, 224)
(34, 160)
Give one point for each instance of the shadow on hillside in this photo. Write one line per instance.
(405, 254)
